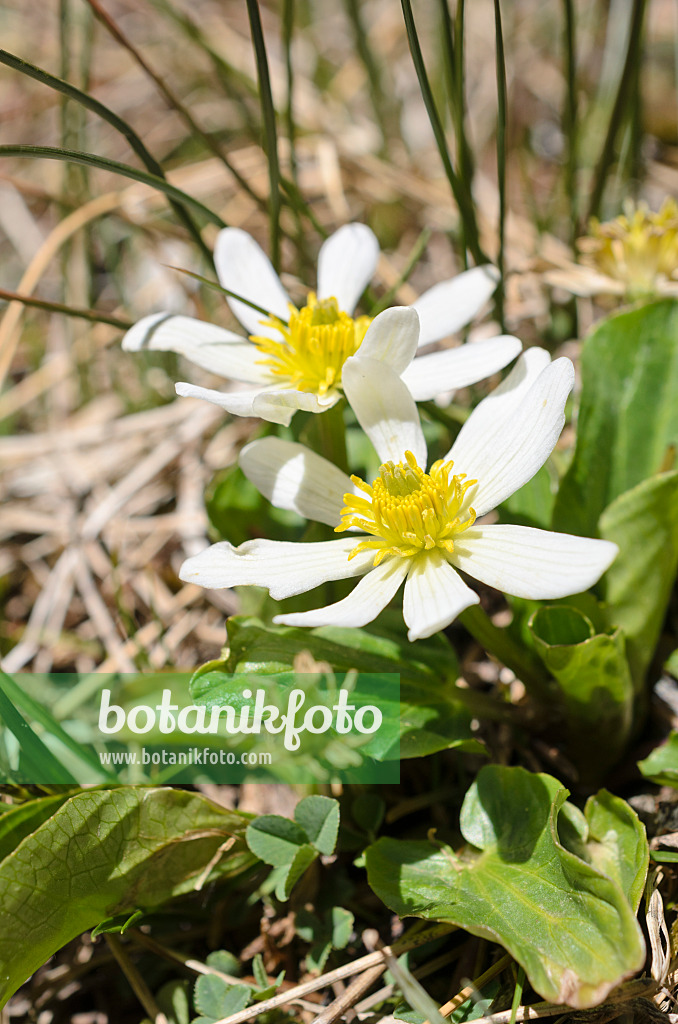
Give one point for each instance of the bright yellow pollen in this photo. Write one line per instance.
(313, 346)
(639, 248)
(408, 511)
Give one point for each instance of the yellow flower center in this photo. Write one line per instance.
(639, 248)
(408, 511)
(313, 346)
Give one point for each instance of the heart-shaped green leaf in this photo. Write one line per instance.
(569, 925)
(610, 836)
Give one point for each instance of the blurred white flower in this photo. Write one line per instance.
(294, 358)
(411, 525)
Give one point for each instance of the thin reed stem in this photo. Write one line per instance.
(501, 157)
(177, 199)
(569, 118)
(466, 208)
(173, 100)
(270, 131)
(619, 109)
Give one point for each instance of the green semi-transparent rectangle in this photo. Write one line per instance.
(214, 726)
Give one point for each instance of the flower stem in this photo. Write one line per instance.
(497, 642)
(329, 435)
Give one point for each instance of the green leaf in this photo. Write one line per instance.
(332, 932)
(367, 811)
(254, 647)
(661, 766)
(40, 713)
(224, 961)
(567, 924)
(215, 998)
(37, 760)
(342, 922)
(117, 925)
(259, 972)
(532, 504)
(432, 715)
(275, 839)
(239, 512)
(618, 843)
(593, 689)
(18, 822)
(102, 853)
(173, 1000)
(671, 664)
(610, 836)
(265, 989)
(303, 859)
(628, 416)
(319, 818)
(638, 584)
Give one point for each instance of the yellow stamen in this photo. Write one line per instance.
(639, 248)
(313, 346)
(409, 511)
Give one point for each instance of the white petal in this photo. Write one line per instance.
(505, 454)
(454, 368)
(264, 403)
(293, 477)
(285, 568)
(373, 593)
(507, 397)
(346, 264)
(206, 345)
(243, 268)
(434, 595)
(392, 338)
(269, 405)
(583, 281)
(526, 562)
(238, 403)
(450, 305)
(384, 409)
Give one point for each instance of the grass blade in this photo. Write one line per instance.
(270, 132)
(177, 199)
(226, 291)
(39, 761)
(453, 48)
(619, 109)
(59, 307)
(104, 164)
(173, 100)
(377, 93)
(41, 714)
(288, 32)
(569, 118)
(412, 260)
(466, 209)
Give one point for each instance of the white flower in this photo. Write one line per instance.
(415, 526)
(294, 358)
